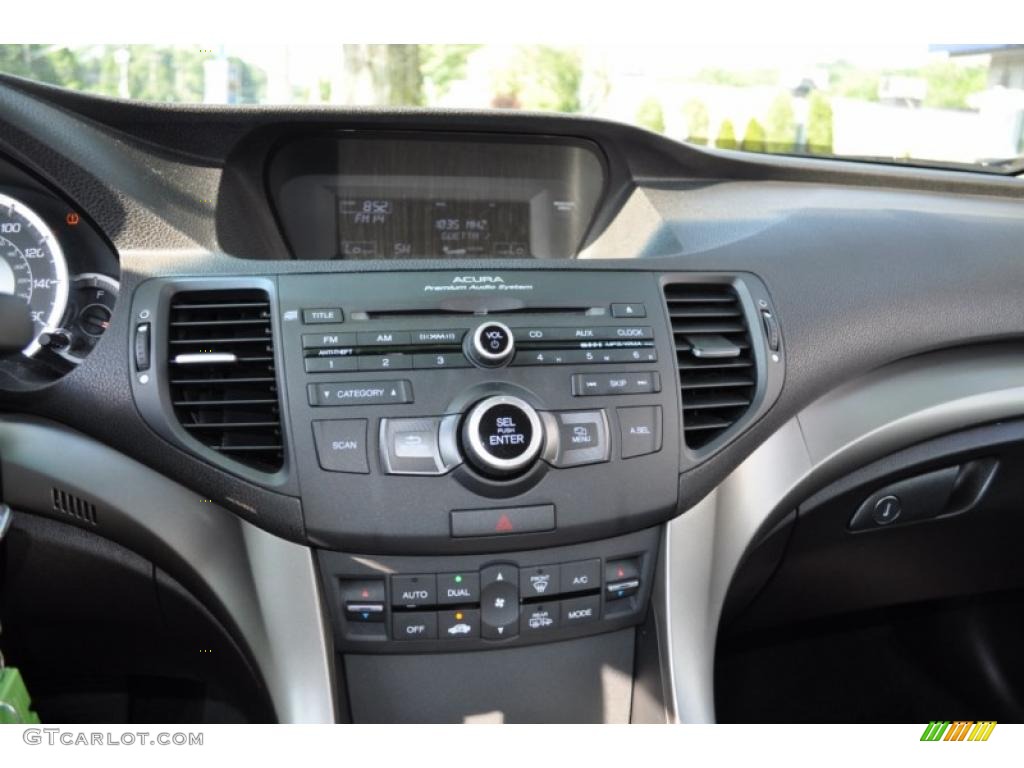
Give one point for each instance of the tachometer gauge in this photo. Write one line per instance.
(32, 267)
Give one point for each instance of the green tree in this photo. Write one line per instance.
(780, 130)
(404, 79)
(819, 125)
(726, 136)
(442, 65)
(651, 116)
(697, 122)
(950, 84)
(541, 77)
(753, 137)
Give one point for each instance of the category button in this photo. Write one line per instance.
(359, 393)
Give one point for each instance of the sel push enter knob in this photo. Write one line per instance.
(502, 435)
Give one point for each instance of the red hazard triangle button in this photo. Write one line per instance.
(504, 525)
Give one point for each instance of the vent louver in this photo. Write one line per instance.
(221, 372)
(73, 506)
(717, 371)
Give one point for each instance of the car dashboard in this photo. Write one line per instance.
(447, 416)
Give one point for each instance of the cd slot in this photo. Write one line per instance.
(404, 314)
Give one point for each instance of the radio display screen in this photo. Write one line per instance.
(395, 228)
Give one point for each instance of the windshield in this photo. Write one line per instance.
(945, 105)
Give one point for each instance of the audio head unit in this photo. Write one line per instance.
(447, 411)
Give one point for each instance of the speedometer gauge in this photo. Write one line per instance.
(32, 267)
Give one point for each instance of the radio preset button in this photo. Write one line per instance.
(384, 362)
(440, 360)
(328, 364)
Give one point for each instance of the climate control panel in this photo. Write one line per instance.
(412, 604)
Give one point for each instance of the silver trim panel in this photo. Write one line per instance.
(888, 409)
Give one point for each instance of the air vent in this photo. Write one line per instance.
(221, 370)
(717, 373)
(72, 506)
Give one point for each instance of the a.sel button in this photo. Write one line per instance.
(581, 610)
(341, 445)
(581, 576)
(360, 393)
(414, 626)
(641, 430)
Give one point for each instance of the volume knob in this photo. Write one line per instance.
(491, 345)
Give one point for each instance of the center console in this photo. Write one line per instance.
(484, 459)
